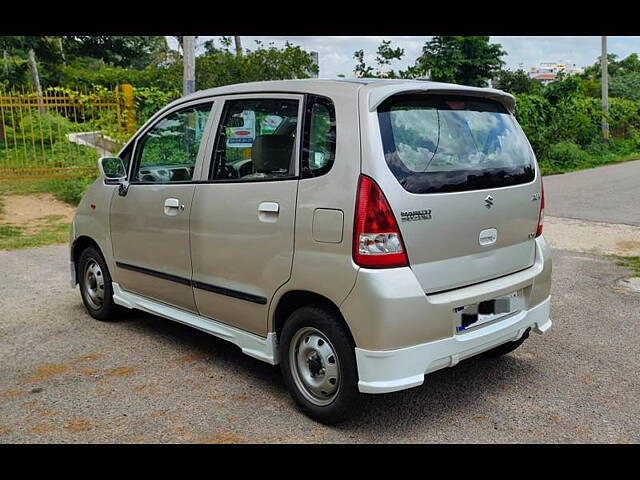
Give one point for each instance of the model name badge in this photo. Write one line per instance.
(415, 215)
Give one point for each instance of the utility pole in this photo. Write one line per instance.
(605, 90)
(238, 46)
(189, 64)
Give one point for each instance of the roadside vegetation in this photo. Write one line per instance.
(629, 262)
(49, 231)
(562, 120)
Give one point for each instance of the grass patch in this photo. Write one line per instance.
(48, 231)
(630, 262)
(67, 189)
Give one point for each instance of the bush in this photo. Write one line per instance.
(564, 156)
(149, 100)
(533, 113)
(70, 189)
(50, 127)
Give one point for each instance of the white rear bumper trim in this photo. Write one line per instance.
(392, 370)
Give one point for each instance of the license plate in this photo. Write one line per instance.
(476, 314)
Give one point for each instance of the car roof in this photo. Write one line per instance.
(378, 89)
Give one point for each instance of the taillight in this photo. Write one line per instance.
(541, 215)
(377, 242)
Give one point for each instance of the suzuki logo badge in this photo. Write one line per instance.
(488, 202)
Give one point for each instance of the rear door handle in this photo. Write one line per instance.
(172, 206)
(268, 212)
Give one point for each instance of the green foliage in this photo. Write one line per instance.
(135, 52)
(517, 82)
(86, 73)
(384, 58)
(630, 262)
(624, 86)
(48, 127)
(13, 71)
(533, 112)
(563, 156)
(51, 230)
(467, 60)
(70, 189)
(151, 99)
(221, 66)
(563, 89)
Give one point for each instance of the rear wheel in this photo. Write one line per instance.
(95, 285)
(507, 347)
(318, 364)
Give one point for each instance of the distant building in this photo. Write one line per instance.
(547, 72)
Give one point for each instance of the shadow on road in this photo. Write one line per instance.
(446, 396)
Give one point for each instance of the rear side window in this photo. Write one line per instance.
(319, 137)
(438, 143)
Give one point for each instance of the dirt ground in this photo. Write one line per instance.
(25, 210)
(592, 237)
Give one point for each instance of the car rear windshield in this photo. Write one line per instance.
(442, 143)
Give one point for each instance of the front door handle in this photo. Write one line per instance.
(172, 206)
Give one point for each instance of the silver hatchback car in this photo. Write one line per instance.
(360, 233)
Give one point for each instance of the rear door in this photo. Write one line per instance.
(242, 220)
(150, 224)
(466, 193)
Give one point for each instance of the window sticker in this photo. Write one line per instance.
(242, 136)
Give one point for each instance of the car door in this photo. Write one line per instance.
(150, 223)
(242, 218)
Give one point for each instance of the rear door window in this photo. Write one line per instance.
(256, 140)
(438, 143)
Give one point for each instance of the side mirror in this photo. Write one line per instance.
(112, 168)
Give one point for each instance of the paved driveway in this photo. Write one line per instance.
(608, 194)
(65, 377)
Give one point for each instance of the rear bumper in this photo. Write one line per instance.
(382, 371)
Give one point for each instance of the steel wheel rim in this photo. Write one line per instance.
(94, 284)
(315, 366)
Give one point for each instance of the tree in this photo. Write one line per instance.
(222, 66)
(385, 55)
(35, 50)
(516, 82)
(470, 60)
(624, 77)
(563, 89)
(121, 51)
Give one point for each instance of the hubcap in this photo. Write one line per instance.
(94, 284)
(315, 366)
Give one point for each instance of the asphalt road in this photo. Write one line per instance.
(65, 377)
(608, 194)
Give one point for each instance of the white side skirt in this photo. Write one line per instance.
(264, 349)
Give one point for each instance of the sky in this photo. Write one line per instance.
(336, 53)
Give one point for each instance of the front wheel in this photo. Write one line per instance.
(95, 285)
(318, 364)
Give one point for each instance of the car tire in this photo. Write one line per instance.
(318, 364)
(95, 285)
(507, 347)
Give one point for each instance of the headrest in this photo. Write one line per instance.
(271, 153)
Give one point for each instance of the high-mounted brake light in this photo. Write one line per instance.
(541, 215)
(377, 242)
